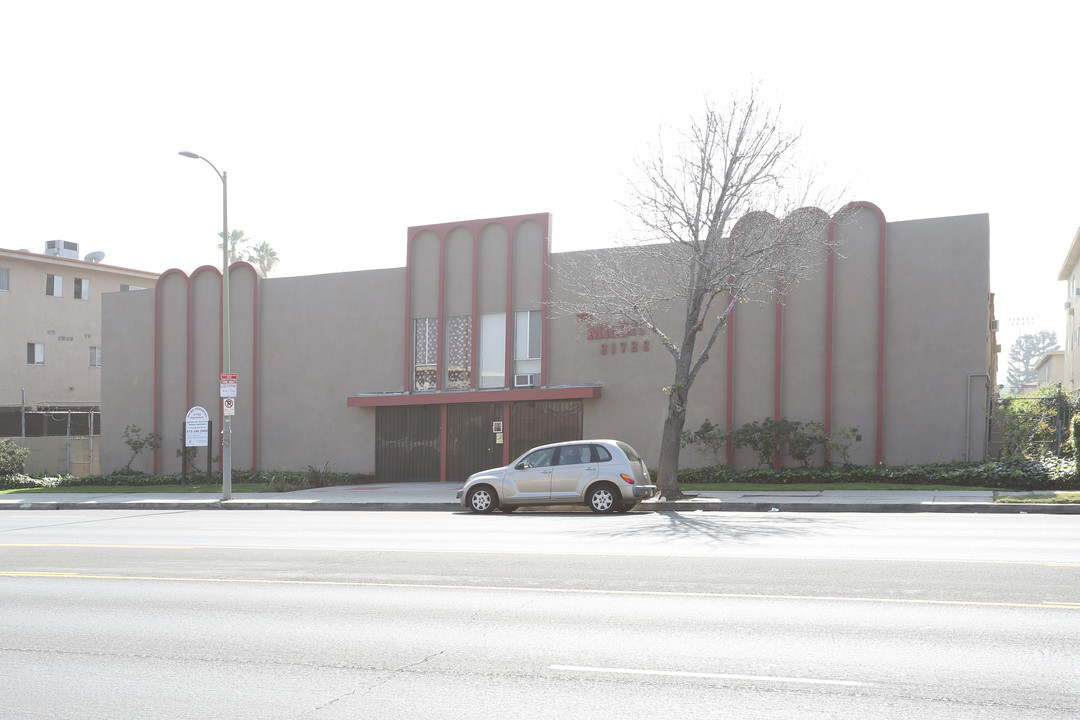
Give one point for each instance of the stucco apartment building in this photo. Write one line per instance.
(52, 354)
(455, 362)
(1070, 275)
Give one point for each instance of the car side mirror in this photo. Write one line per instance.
(520, 466)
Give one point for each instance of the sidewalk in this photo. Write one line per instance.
(440, 497)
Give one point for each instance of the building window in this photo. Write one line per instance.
(127, 288)
(527, 342)
(492, 364)
(54, 285)
(35, 353)
(425, 353)
(95, 356)
(5, 278)
(82, 288)
(459, 352)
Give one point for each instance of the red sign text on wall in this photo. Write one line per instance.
(624, 335)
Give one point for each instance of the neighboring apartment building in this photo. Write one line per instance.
(52, 354)
(1050, 370)
(1070, 274)
(453, 363)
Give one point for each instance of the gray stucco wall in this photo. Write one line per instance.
(322, 339)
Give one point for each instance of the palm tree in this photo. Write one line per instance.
(237, 241)
(264, 256)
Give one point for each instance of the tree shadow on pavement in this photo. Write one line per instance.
(714, 527)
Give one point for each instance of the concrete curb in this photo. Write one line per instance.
(662, 506)
(997, 508)
(233, 505)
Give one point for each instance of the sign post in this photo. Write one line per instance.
(197, 429)
(228, 390)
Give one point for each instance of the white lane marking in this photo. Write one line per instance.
(710, 676)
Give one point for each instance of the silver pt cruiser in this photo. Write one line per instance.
(605, 475)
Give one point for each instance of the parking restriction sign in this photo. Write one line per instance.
(228, 385)
(230, 406)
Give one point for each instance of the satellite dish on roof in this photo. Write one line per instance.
(96, 256)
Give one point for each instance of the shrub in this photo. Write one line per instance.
(710, 439)
(12, 457)
(317, 477)
(771, 436)
(138, 442)
(1033, 425)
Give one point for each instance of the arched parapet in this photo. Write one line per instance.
(865, 276)
(188, 354)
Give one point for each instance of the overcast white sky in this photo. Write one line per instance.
(341, 124)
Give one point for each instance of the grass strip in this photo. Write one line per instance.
(1057, 498)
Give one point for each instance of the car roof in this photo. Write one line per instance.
(574, 442)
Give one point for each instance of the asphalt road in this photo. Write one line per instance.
(111, 614)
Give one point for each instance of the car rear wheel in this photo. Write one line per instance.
(482, 499)
(603, 499)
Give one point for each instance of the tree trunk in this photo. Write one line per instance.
(667, 473)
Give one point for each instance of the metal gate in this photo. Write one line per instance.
(407, 443)
(470, 439)
(539, 422)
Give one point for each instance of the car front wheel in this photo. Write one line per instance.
(603, 499)
(482, 499)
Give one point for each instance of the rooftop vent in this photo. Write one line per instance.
(62, 248)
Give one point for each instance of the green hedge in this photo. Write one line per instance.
(281, 479)
(1009, 474)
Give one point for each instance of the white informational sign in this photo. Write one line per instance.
(228, 385)
(197, 427)
(229, 406)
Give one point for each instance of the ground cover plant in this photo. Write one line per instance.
(242, 481)
(1045, 473)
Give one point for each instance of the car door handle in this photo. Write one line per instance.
(590, 468)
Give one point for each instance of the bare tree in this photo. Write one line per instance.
(712, 239)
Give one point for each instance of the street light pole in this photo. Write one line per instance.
(226, 440)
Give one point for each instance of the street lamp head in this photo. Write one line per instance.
(188, 153)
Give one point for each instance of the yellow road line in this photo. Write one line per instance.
(102, 545)
(568, 591)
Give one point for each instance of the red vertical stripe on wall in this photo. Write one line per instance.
(474, 331)
(408, 308)
(440, 358)
(508, 380)
(545, 252)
